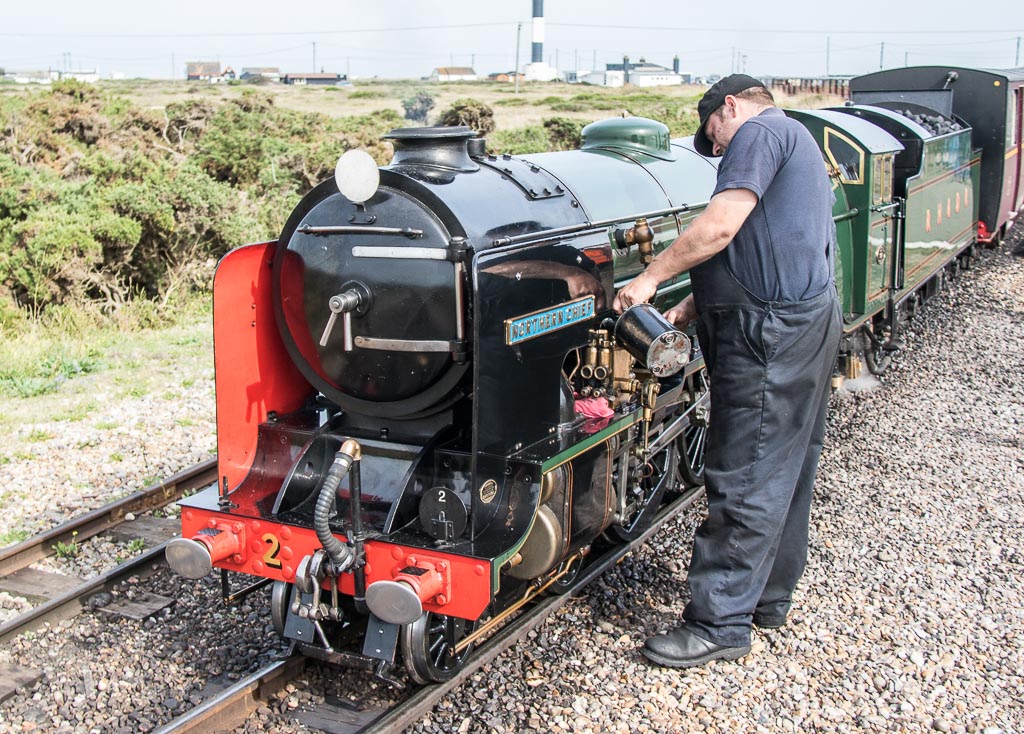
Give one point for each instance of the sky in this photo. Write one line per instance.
(408, 38)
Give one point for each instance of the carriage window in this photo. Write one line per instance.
(881, 185)
(845, 155)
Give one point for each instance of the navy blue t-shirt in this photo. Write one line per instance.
(781, 253)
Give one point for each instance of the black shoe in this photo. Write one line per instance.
(769, 621)
(681, 648)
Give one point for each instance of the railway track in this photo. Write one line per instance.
(64, 597)
(58, 597)
(232, 706)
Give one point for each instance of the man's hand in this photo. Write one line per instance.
(682, 313)
(640, 290)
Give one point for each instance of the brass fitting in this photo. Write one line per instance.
(641, 235)
(353, 449)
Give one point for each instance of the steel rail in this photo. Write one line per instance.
(232, 706)
(69, 604)
(15, 557)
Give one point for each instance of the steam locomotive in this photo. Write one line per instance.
(427, 411)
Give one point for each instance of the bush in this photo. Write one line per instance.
(564, 133)
(471, 113)
(368, 94)
(417, 107)
(523, 140)
(103, 201)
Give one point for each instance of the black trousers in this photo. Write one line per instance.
(770, 368)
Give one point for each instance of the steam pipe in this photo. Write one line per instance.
(340, 554)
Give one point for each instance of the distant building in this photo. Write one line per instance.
(453, 74)
(91, 77)
(644, 74)
(575, 76)
(316, 78)
(540, 71)
(28, 77)
(505, 76)
(202, 71)
(270, 73)
(603, 78)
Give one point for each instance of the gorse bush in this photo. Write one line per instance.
(418, 106)
(469, 112)
(102, 201)
(107, 203)
(555, 133)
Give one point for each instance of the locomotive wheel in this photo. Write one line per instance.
(280, 598)
(663, 472)
(692, 443)
(428, 646)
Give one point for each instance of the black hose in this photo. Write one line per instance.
(340, 554)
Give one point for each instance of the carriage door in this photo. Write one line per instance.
(1018, 106)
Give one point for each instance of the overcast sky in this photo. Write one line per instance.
(408, 38)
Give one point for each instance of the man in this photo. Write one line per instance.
(768, 321)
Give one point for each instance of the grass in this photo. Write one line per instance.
(76, 411)
(13, 536)
(38, 435)
(40, 354)
(66, 363)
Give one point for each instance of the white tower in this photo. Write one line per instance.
(537, 70)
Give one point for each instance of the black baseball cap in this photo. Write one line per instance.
(715, 98)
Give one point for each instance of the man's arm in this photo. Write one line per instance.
(707, 234)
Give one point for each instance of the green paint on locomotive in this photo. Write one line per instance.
(859, 157)
(942, 209)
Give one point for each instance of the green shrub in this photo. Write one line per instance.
(107, 204)
(564, 133)
(418, 106)
(469, 112)
(520, 141)
(368, 94)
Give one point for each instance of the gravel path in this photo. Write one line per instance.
(909, 617)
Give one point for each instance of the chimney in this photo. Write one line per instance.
(625, 70)
(675, 64)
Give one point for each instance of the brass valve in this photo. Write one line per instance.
(641, 235)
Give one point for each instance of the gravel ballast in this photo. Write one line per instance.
(908, 619)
